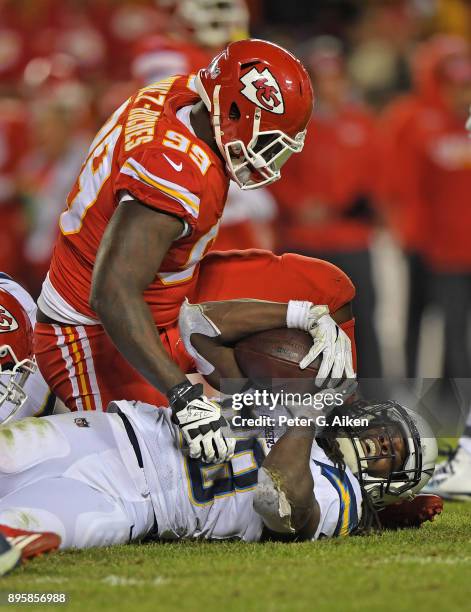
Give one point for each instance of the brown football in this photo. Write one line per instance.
(276, 353)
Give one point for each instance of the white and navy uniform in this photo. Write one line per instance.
(40, 399)
(110, 478)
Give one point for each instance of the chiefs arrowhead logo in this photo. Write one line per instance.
(8, 323)
(262, 89)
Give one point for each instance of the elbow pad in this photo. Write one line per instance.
(192, 320)
(272, 504)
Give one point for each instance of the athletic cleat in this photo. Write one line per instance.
(30, 543)
(452, 478)
(411, 513)
(10, 557)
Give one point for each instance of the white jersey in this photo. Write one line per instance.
(196, 500)
(40, 399)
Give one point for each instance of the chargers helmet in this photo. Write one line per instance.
(392, 420)
(259, 97)
(16, 352)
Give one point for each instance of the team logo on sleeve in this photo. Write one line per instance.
(81, 422)
(262, 89)
(8, 323)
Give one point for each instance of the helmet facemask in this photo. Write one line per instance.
(407, 474)
(258, 162)
(13, 376)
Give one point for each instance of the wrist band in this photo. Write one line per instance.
(297, 314)
(183, 393)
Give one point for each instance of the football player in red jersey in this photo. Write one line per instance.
(196, 31)
(142, 214)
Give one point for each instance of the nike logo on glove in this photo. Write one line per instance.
(177, 167)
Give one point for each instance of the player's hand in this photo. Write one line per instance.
(201, 422)
(468, 123)
(336, 349)
(330, 342)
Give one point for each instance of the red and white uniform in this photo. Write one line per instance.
(146, 150)
(40, 400)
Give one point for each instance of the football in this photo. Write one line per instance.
(275, 354)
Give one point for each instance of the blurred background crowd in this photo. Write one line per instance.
(382, 188)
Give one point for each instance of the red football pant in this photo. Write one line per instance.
(83, 367)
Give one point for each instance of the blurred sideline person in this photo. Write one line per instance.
(452, 479)
(200, 29)
(296, 486)
(14, 144)
(23, 391)
(426, 181)
(60, 109)
(326, 197)
(141, 216)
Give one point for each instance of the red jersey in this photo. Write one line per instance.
(146, 151)
(441, 162)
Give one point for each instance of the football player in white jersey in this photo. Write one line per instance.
(23, 390)
(124, 475)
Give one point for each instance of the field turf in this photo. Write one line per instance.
(426, 569)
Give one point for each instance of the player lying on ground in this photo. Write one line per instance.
(99, 479)
(115, 477)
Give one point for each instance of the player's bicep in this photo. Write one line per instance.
(132, 248)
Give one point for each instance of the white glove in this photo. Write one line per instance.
(468, 123)
(329, 341)
(200, 421)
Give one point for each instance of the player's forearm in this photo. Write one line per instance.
(236, 319)
(289, 465)
(128, 321)
(132, 249)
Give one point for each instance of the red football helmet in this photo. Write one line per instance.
(16, 352)
(260, 99)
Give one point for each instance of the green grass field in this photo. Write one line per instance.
(425, 569)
